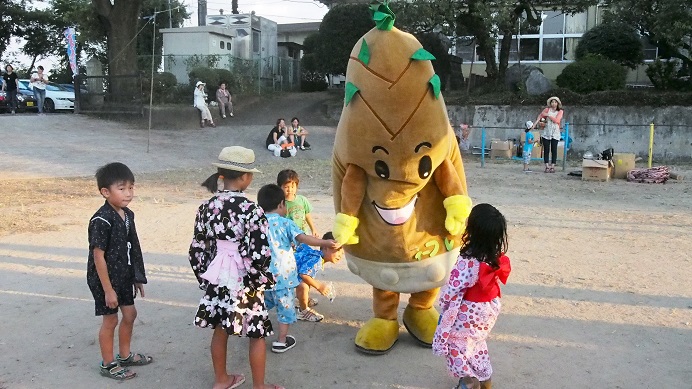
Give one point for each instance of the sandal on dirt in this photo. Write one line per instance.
(552, 170)
(238, 379)
(547, 170)
(131, 361)
(115, 371)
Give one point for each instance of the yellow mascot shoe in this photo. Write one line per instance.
(377, 336)
(421, 324)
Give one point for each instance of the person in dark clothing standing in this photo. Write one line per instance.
(10, 85)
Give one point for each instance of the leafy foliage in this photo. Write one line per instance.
(340, 30)
(11, 21)
(669, 75)
(666, 23)
(615, 41)
(207, 75)
(593, 73)
(176, 18)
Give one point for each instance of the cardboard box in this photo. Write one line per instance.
(622, 163)
(501, 148)
(596, 170)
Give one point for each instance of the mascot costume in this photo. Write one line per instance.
(399, 185)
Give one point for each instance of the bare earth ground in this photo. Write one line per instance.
(600, 294)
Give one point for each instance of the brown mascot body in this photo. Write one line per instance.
(399, 186)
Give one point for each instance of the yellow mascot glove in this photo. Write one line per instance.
(345, 229)
(458, 209)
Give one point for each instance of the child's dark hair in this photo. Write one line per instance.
(295, 118)
(270, 196)
(287, 175)
(328, 235)
(212, 183)
(485, 237)
(112, 173)
(278, 121)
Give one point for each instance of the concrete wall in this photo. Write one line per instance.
(626, 129)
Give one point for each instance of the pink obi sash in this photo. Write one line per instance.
(227, 268)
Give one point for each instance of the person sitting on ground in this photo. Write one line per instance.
(310, 262)
(277, 139)
(200, 103)
(225, 100)
(298, 135)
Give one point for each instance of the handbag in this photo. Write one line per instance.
(285, 153)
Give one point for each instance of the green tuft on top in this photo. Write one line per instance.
(423, 55)
(382, 15)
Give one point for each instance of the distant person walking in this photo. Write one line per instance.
(200, 103)
(225, 100)
(549, 119)
(38, 82)
(10, 85)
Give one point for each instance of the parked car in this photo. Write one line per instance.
(70, 87)
(57, 97)
(25, 101)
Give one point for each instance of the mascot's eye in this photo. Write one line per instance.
(381, 169)
(424, 167)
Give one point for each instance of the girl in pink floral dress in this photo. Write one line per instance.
(470, 302)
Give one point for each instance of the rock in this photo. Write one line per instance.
(537, 83)
(516, 74)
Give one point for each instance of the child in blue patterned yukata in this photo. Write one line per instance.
(283, 235)
(298, 208)
(310, 262)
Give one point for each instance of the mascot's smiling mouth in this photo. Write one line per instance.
(396, 216)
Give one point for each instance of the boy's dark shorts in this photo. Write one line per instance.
(125, 293)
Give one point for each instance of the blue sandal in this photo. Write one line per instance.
(115, 371)
(131, 361)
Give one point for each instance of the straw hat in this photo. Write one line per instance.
(559, 103)
(199, 83)
(237, 158)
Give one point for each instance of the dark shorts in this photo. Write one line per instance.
(126, 296)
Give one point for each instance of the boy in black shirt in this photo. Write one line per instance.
(115, 271)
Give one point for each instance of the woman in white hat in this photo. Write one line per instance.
(230, 257)
(550, 119)
(200, 103)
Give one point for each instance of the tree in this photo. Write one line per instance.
(119, 19)
(38, 36)
(618, 42)
(339, 31)
(483, 21)
(666, 23)
(11, 21)
(176, 18)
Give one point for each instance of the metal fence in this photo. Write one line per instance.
(109, 94)
(249, 76)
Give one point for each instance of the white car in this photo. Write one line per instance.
(57, 97)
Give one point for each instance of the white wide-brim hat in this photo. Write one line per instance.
(557, 99)
(237, 158)
(199, 83)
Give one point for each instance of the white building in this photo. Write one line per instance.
(226, 37)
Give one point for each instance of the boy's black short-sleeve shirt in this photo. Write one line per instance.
(10, 81)
(109, 232)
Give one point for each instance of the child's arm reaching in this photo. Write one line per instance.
(313, 241)
(308, 219)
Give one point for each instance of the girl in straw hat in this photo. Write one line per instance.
(551, 116)
(230, 257)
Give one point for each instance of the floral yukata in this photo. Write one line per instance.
(470, 304)
(230, 257)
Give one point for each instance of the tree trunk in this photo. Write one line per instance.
(505, 47)
(120, 21)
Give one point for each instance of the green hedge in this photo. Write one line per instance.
(592, 73)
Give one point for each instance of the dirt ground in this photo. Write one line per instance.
(600, 293)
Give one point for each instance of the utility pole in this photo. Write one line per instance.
(170, 15)
(201, 12)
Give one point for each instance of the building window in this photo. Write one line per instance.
(228, 46)
(575, 24)
(554, 22)
(552, 49)
(650, 51)
(570, 49)
(256, 41)
(222, 45)
(529, 49)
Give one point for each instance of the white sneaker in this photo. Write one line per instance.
(224, 116)
(231, 114)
